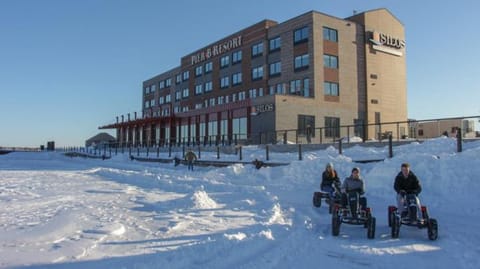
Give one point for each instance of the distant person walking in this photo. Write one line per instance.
(190, 157)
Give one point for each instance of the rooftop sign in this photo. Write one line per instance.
(216, 49)
(387, 43)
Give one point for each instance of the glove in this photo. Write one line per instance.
(402, 192)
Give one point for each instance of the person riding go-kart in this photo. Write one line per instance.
(409, 211)
(329, 188)
(353, 207)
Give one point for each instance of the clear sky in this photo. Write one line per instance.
(67, 67)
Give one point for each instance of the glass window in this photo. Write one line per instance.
(161, 84)
(161, 100)
(302, 61)
(330, 34)
(252, 94)
(242, 96)
(300, 35)
(178, 95)
(208, 67)
(330, 61)
(198, 89)
(225, 82)
(178, 79)
(306, 124)
(220, 100)
(198, 70)
(331, 88)
(224, 61)
(275, 44)
(239, 127)
(212, 101)
(306, 87)
(295, 86)
(185, 93)
(275, 69)
(208, 86)
(237, 57)
(224, 128)
(212, 128)
(257, 49)
(186, 75)
(332, 127)
(168, 82)
(236, 79)
(168, 98)
(257, 73)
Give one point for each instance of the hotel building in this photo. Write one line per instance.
(309, 75)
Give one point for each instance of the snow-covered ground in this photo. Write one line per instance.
(60, 212)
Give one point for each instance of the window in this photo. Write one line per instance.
(257, 49)
(168, 82)
(208, 67)
(332, 127)
(275, 69)
(260, 92)
(147, 104)
(223, 129)
(224, 61)
(242, 96)
(208, 86)
(225, 82)
(280, 88)
(186, 75)
(234, 97)
(227, 99)
(295, 86)
(153, 88)
(220, 100)
(306, 125)
(178, 95)
(330, 61)
(257, 73)
(212, 128)
(198, 70)
(212, 101)
(161, 100)
(147, 90)
(168, 98)
(301, 62)
(331, 88)
(236, 79)
(237, 57)
(300, 35)
(198, 106)
(161, 84)
(275, 44)
(178, 79)
(330, 34)
(198, 89)
(306, 87)
(185, 93)
(252, 94)
(239, 127)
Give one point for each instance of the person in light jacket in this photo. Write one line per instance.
(354, 184)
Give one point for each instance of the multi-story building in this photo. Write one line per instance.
(310, 75)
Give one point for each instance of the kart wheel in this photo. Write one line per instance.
(391, 214)
(395, 226)
(335, 222)
(317, 200)
(432, 229)
(371, 223)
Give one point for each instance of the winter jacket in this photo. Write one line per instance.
(190, 156)
(327, 180)
(351, 184)
(410, 184)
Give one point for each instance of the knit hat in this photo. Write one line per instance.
(356, 169)
(329, 165)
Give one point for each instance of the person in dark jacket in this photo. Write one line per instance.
(406, 182)
(330, 181)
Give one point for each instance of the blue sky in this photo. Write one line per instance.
(67, 67)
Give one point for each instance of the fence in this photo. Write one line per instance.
(400, 130)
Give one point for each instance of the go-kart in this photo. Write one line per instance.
(318, 196)
(351, 211)
(410, 217)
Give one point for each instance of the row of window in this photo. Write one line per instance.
(306, 126)
(300, 35)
